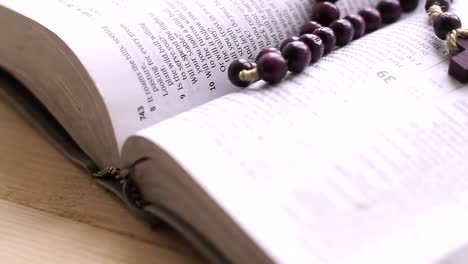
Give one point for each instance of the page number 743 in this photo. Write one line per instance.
(141, 113)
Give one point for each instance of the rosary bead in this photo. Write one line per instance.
(297, 55)
(265, 51)
(272, 68)
(390, 10)
(235, 68)
(325, 13)
(343, 30)
(309, 27)
(359, 25)
(409, 5)
(444, 23)
(373, 19)
(315, 41)
(315, 45)
(287, 41)
(328, 38)
(444, 4)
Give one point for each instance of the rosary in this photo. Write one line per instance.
(327, 30)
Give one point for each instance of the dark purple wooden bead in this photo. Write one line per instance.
(297, 55)
(343, 30)
(409, 5)
(309, 27)
(373, 19)
(390, 10)
(328, 38)
(272, 68)
(287, 41)
(444, 4)
(359, 25)
(325, 13)
(235, 68)
(265, 51)
(444, 23)
(315, 45)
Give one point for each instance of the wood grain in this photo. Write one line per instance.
(30, 236)
(47, 187)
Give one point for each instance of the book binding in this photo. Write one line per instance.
(116, 180)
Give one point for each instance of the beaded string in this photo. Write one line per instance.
(318, 37)
(447, 25)
(327, 30)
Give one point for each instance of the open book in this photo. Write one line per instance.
(360, 159)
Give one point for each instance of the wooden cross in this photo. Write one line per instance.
(458, 68)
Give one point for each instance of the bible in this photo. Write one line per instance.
(359, 159)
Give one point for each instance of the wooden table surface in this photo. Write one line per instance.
(52, 212)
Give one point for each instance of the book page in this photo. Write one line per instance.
(361, 159)
(153, 59)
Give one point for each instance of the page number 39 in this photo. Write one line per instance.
(386, 76)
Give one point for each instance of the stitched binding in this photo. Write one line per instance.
(128, 188)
